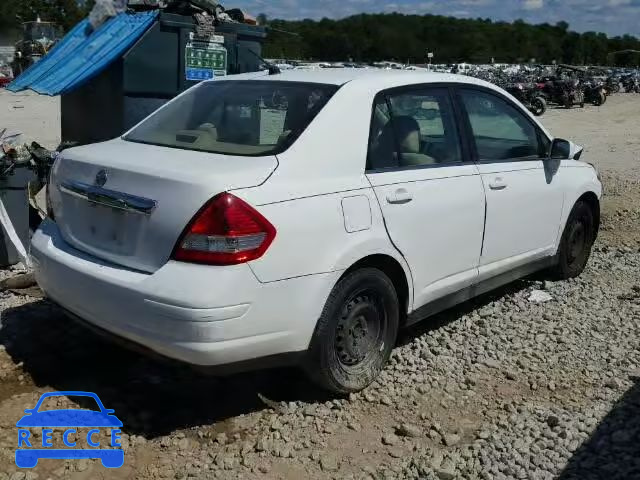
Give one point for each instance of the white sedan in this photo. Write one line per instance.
(306, 216)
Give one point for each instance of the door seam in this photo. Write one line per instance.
(386, 229)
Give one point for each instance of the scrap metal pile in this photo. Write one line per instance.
(105, 9)
(14, 156)
(564, 85)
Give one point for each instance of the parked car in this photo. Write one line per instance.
(307, 216)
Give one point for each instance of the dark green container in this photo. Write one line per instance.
(15, 197)
(148, 75)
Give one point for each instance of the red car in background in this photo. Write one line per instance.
(6, 76)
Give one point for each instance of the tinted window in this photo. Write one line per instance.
(501, 131)
(236, 117)
(413, 129)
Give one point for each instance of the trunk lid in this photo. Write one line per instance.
(128, 203)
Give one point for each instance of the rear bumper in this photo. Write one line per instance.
(198, 314)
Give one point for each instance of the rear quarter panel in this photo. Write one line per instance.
(312, 238)
(303, 198)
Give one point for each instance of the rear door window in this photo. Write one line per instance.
(414, 128)
(247, 118)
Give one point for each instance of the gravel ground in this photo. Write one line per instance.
(499, 388)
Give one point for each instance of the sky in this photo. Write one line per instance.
(614, 17)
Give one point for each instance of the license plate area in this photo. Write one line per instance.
(100, 227)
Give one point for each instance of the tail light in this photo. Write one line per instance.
(226, 231)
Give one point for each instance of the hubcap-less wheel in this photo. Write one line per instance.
(577, 240)
(359, 330)
(355, 333)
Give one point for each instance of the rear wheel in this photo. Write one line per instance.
(577, 239)
(355, 333)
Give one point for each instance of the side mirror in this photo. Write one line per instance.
(560, 149)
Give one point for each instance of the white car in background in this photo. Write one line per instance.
(307, 216)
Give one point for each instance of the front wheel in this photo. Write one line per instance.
(538, 106)
(577, 239)
(356, 332)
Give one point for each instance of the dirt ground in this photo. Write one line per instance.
(527, 396)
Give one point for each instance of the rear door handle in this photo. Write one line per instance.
(498, 183)
(399, 197)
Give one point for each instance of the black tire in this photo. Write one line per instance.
(577, 239)
(599, 99)
(538, 106)
(34, 219)
(356, 332)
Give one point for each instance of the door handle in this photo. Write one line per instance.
(498, 183)
(399, 197)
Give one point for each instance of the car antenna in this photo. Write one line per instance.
(273, 69)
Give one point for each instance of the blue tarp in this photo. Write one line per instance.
(82, 54)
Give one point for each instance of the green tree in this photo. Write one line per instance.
(375, 37)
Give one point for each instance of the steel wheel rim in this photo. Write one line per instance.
(360, 330)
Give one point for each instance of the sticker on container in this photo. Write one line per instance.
(205, 61)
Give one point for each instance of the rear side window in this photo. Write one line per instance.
(414, 128)
(246, 118)
(500, 131)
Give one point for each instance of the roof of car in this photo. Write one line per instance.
(372, 76)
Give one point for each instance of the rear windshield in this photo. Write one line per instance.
(247, 118)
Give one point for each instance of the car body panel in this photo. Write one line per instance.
(446, 214)
(179, 181)
(318, 227)
(194, 313)
(524, 211)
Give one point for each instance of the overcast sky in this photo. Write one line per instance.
(614, 17)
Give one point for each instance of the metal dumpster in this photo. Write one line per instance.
(15, 197)
(151, 72)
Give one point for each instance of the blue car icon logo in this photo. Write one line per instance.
(29, 452)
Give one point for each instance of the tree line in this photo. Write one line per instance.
(395, 36)
(408, 38)
(65, 13)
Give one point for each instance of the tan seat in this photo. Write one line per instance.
(407, 132)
